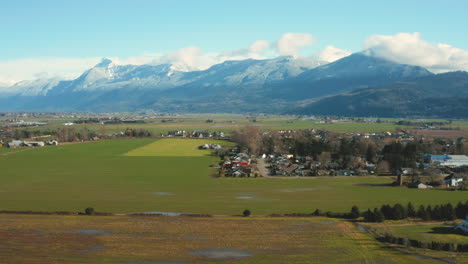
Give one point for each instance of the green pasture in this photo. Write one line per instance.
(176, 148)
(6, 150)
(225, 123)
(102, 175)
(426, 232)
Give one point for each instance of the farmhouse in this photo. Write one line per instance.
(34, 143)
(453, 181)
(14, 144)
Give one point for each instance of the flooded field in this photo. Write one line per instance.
(38, 239)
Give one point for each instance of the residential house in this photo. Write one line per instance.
(453, 180)
(15, 144)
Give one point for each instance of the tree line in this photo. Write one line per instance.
(441, 212)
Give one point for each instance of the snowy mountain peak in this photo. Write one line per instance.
(105, 62)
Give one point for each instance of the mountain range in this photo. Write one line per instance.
(355, 85)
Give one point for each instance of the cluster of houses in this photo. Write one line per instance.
(286, 165)
(401, 136)
(195, 134)
(22, 143)
(289, 165)
(238, 165)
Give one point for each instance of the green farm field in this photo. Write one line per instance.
(425, 232)
(102, 175)
(7, 150)
(176, 148)
(440, 232)
(41, 239)
(226, 123)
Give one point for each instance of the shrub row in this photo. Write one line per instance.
(440, 246)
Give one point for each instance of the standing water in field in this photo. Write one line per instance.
(163, 193)
(221, 253)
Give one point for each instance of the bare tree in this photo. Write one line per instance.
(249, 137)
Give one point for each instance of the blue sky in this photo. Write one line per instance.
(91, 29)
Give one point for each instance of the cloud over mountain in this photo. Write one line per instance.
(409, 48)
(331, 54)
(405, 48)
(291, 43)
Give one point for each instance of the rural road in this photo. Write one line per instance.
(262, 168)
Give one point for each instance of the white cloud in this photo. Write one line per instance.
(409, 48)
(12, 71)
(188, 59)
(331, 54)
(291, 43)
(138, 60)
(259, 48)
(185, 59)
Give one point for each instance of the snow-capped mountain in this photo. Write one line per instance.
(357, 70)
(269, 85)
(107, 75)
(359, 64)
(37, 87)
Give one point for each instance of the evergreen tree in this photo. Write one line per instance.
(354, 212)
(398, 212)
(378, 216)
(421, 212)
(436, 213)
(428, 215)
(387, 211)
(449, 212)
(369, 216)
(460, 210)
(411, 212)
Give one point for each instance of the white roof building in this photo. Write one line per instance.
(455, 161)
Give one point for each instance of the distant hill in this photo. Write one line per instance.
(441, 95)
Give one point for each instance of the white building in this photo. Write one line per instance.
(453, 181)
(454, 161)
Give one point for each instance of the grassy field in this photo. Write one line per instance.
(6, 150)
(225, 123)
(229, 122)
(426, 232)
(101, 175)
(123, 239)
(176, 148)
